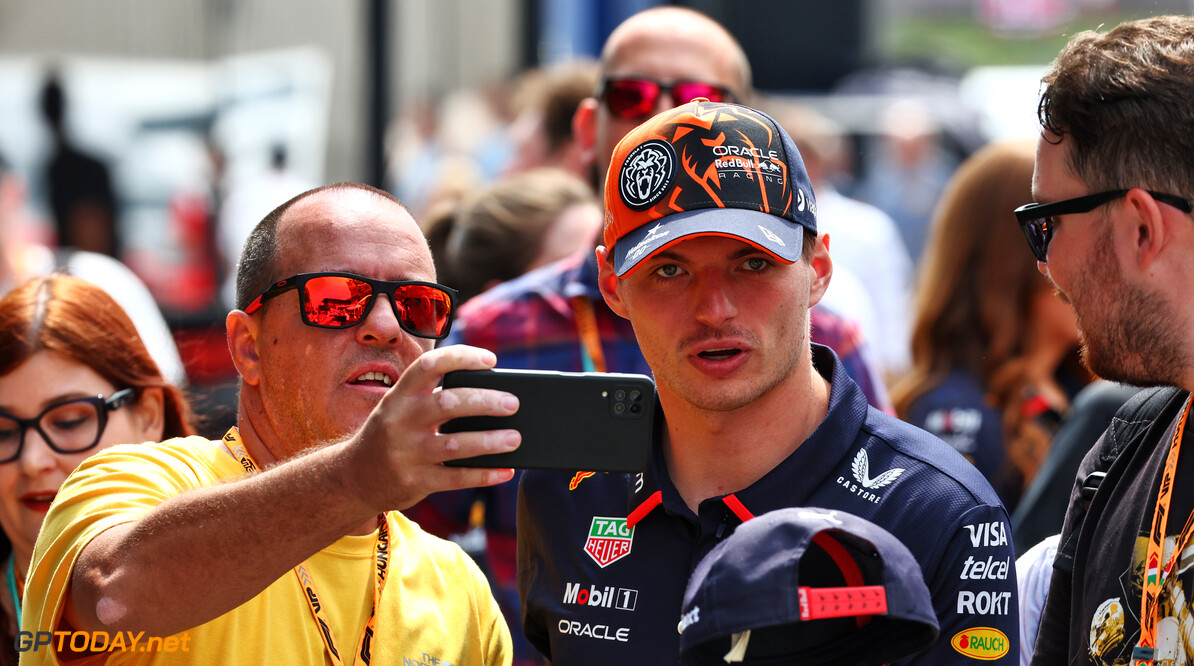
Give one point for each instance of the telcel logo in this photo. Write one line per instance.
(982, 643)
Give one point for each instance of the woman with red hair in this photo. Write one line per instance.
(74, 378)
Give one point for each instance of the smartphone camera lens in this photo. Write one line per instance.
(626, 402)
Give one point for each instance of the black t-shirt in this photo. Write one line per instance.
(1109, 559)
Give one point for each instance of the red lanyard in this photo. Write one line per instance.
(1154, 575)
(590, 339)
(381, 553)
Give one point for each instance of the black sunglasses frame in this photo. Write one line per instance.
(102, 407)
(386, 287)
(1034, 217)
(660, 86)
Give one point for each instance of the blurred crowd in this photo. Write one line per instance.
(933, 296)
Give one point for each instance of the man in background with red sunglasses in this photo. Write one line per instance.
(655, 60)
(282, 544)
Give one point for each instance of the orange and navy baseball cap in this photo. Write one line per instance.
(707, 169)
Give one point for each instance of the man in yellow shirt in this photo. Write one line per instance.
(283, 543)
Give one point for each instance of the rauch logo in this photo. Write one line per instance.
(609, 540)
(983, 643)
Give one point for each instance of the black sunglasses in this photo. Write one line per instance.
(70, 426)
(1037, 223)
(341, 300)
(632, 97)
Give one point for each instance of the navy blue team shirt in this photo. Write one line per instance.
(603, 559)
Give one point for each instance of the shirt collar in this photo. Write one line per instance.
(794, 480)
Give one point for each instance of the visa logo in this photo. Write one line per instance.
(987, 534)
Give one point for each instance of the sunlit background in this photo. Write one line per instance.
(198, 106)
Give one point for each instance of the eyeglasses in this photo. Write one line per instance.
(70, 426)
(1037, 223)
(631, 97)
(341, 300)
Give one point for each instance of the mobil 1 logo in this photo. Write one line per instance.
(605, 596)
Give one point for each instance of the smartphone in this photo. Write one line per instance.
(573, 421)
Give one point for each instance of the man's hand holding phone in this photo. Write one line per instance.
(400, 450)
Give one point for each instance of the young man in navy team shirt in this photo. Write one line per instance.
(711, 251)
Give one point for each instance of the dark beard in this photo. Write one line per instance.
(1134, 341)
(1137, 349)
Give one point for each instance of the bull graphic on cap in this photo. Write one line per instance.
(724, 142)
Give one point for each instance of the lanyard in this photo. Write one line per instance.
(16, 586)
(1154, 576)
(381, 553)
(590, 339)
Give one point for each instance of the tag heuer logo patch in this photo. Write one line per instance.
(647, 173)
(609, 540)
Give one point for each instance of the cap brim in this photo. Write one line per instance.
(780, 238)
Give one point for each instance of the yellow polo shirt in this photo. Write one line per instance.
(436, 607)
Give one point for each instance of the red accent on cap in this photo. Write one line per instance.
(847, 564)
(818, 603)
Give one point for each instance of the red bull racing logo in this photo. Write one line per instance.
(577, 478)
(609, 540)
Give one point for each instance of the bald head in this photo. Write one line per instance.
(259, 263)
(682, 26)
(300, 380)
(667, 44)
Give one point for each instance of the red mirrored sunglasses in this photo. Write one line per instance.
(341, 300)
(636, 96)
